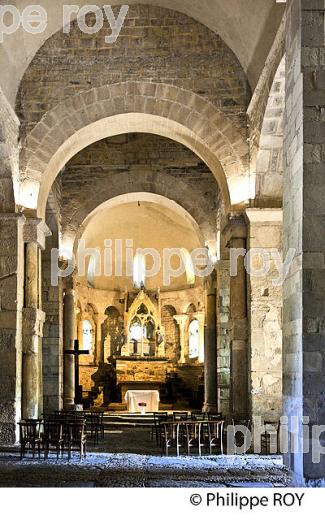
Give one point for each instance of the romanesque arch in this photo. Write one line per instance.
(133, 107)
(197, 217)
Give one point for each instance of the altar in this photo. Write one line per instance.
(150, 397)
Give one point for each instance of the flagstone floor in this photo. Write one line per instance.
(129, 458)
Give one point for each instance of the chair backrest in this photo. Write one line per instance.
(242, 422)
(29, 429)
(198, 416)
(180, 416)
(158, 417)
(214, 416)
(53, 429)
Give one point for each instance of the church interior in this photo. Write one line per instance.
(190, 134)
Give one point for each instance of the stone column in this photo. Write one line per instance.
(265, 312)
(35, 233)
(52, 344)
(181, 320)
(236, 233)
(100, 355)
(69, 336)
(210, 349)
(11, 303)
(303, 218)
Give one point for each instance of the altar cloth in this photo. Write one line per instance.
(150, 397)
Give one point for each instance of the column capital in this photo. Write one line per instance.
(235, 228)
(36, 230)
(99, 318)
(180, 319)
(264, 215)
(210, 283)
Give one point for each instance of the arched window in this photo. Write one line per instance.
(194, 339)
(136, 330)
(87, 336)
(139, 270)
(142, 332)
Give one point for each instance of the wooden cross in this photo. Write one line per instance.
(76, 353)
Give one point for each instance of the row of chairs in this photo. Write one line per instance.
(53, 434)
(270, 439)
(200, 435)
(160, 417)
(94, 421)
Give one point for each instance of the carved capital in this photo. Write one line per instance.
(35, 230)
(235, 228)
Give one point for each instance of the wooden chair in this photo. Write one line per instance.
(77, 437)
(53, 437)
(180, 416)
(198, 416)
(193, 436)
(213, 435)
(239, 436)
(215, 416)
(170, 437)
(30, 436)
(271, 438)
(158, 417)
(94, 425)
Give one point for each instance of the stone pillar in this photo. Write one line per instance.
(303, 218)
(210, 349)
(11, 303)
(52, 332)
(69, 336)
(265, 312)
(223, 335)
(181, 320)
(100, 356)
(35, 233)
(236, 233)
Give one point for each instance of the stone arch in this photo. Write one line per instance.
(258, 104)
(69, 242)
(9, 126)
(112, 329)
(269, 162)
(130, 188)
(171, 332)
(191, 309)
(146, 107)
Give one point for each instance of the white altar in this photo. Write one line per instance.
(150, 397)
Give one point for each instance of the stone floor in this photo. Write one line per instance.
(128, 458)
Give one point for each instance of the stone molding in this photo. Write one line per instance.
(35, 230)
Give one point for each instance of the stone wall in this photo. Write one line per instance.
(155, 44)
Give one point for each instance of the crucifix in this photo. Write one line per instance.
(76, 353)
